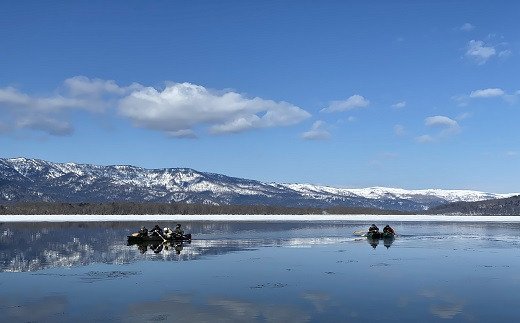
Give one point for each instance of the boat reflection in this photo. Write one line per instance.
(387, 242)
(158, 247)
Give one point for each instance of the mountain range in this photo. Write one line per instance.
(31, 180)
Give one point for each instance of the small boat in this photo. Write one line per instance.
(380, 235)
(136, 237)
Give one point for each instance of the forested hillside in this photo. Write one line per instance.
(506, 206)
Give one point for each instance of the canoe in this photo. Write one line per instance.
(135, 237)
(380, 235)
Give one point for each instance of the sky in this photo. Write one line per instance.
(409, 94)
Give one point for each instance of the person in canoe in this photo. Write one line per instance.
(373, 228)
(387, 229)
(143, 232)
(168, 233)
(178, 232)
(157, 231)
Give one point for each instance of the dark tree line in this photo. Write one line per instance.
(122, 208)
(505, 206)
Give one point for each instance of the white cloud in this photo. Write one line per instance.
(487, 93)
(464, 100)
(183, 106)
(463, 116)
(353, 102)
(467, 27)
(441, 121)
(479, 52)
(399, 130)
(446, 125)
(183, 134)
(82, 85)
(424, 139)
(11, 98)
(46, 124)
(399, 105)
(318, 131)
(505, 53)
(176, 110)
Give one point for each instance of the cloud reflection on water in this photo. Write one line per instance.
(215, 309)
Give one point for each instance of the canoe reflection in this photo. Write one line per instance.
(387, 242)
(158, 247)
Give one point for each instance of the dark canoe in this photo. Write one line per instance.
(380, 235)
(134, 238)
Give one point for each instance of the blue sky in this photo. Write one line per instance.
(411, 94)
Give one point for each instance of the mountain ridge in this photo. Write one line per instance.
(28, 180)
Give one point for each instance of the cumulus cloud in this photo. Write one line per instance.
(84, 86)
(467, 27)
(48, 114)
(464, 100)
(479, 52)
(353, 102)
(441, 121)
(487, 93)
(318, 131)
(176, 110)
(446, 125)
(183, 106)
(399, 105)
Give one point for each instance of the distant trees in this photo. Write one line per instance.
(505, 206)
(122, 208)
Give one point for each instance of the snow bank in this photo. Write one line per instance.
(262, 217)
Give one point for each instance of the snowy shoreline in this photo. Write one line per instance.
(260, 218)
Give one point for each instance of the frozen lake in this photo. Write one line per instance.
(261, 271)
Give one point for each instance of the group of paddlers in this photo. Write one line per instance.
(165, 233)
(387, 229)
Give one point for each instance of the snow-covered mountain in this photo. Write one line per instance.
(23, 179)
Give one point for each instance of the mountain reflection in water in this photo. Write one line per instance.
(36, 246)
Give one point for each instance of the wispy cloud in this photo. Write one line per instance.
(479, 52)
(399, 105)
(399, 130)
(353, 102)
(424, 139)
(318, 131)
(467, 27)
(487, 93)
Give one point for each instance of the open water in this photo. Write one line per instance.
(261, 271)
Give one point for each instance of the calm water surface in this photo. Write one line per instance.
(274, 272)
